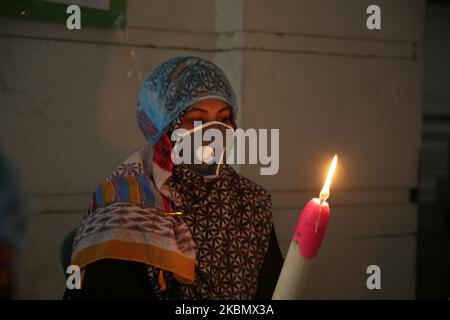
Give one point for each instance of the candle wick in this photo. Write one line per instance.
(318, 220)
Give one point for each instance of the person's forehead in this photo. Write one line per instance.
(209, 105)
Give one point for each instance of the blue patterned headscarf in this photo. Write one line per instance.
(176, 85)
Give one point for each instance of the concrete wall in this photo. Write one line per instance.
(311, 69)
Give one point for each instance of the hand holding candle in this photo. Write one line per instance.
(305, 244)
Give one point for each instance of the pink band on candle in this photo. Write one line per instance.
(311, 227)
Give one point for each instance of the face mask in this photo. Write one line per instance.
(203, 149)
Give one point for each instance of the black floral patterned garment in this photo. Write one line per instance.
(230, 221)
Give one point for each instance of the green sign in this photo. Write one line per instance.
(48, 11)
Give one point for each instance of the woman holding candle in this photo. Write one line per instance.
(162, 231)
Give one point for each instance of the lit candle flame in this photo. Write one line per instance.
(325, 193)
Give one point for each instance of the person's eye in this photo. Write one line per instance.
(191, 120)
(225, 119)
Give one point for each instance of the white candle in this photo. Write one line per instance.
(305, 244)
